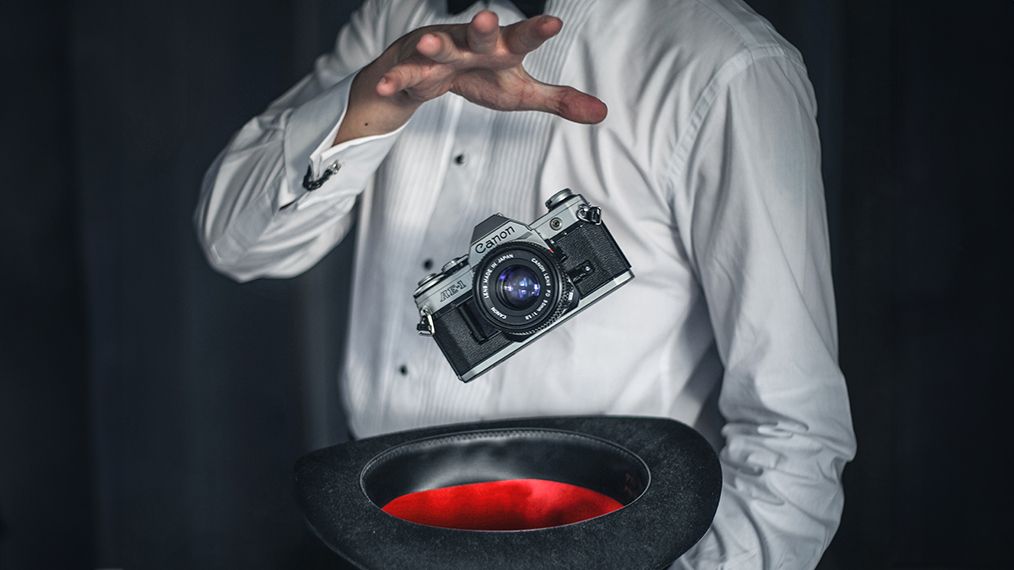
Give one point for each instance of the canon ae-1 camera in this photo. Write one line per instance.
(517, 282)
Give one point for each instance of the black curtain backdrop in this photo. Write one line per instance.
(151, 410)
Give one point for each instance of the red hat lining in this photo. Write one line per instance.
(514, 504)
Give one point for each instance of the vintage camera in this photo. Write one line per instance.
(517, 282)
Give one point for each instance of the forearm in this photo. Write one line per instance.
(244, 225)
(255, 218)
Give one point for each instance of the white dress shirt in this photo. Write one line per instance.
(707, 171)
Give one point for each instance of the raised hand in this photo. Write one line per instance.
(479, 61)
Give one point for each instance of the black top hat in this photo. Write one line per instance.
(588, 492)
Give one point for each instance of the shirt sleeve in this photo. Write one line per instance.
(750, 203)
(254, 218)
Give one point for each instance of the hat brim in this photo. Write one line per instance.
(666, 475)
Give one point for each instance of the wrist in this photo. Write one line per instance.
(370, 114)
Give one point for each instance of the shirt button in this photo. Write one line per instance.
(403, 370)
(460, 159)
(428, 264)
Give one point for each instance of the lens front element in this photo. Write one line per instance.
(518, 287)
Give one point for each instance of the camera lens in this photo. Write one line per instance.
(518, 287)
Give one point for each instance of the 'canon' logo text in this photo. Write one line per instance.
(490, 242)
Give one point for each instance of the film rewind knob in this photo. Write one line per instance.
(556, 199)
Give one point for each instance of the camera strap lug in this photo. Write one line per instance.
(589, 214)
(425, 326)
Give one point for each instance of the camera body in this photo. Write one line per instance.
(517, 282)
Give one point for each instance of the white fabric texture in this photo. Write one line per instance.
(707, 171)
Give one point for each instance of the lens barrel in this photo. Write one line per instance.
(519, 287)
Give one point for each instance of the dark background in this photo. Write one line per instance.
(151, 410)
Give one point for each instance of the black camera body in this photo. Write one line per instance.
(519, 281)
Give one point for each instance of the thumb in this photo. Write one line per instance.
(567, 102)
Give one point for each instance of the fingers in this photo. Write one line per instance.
(438, 46)
(399, 78)
(483, 32)
(528, 35)
(435, 46)
(568, 103)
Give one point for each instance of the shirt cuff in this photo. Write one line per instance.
(309, 134)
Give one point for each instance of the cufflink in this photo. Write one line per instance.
(310, 184)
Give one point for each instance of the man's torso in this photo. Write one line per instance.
(648, 348)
